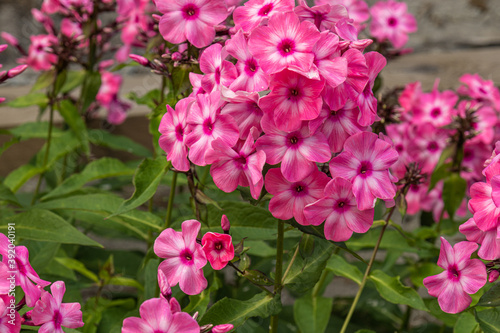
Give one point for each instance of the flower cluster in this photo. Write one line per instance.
(5, 75)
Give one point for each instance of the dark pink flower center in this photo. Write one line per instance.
(482, 91)
(436, 112)
(218, 246)
(365, 169)
(399, 148)
(251, 67)
(286, 47)
(293, 94)
(187, 257)
(242, 160)
(179, 132)
(39, 48)
(208, 126)
(57, 319)
(292, 140)
(432, 146)
(318, 18)
(341, 205)
(392, 22)
(453, 273)
(264, 11)
(299, 189)
(468, 154)
(190, 11)
(217, 75)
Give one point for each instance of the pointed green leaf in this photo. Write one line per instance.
(73, 80)
(91, 85)
(466, 323)
(312, 313)
(453, 193)
(43, 225)
(339, 266)
(491, 298)
(79, 267)
(35, 130)
(16, 178)
(392, 290)
(72, 117)
(31, 99)
(124, 281)
(118, 142)
(7, 195)
(489, 320)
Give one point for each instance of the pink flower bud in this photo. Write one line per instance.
(176, 56)
(222, 328)
(156, 17)
(3, 47)
(2, 99)
(2, 73)
(16, 71)
(38, 15)
(224, 223)
(10, 39)
(493, 276)
(106, 64)
(165, 289)
(139, 59)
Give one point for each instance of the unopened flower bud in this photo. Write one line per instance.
(139, 59)
(195, 316)
(3, 47)
(2, 73)
(222, 328)
(176, 56)
(224, 223)
(2, 99)
(493, 276)
(16, 71)
(156, 17)
(10, 39)
(206, 328)
(165, 289)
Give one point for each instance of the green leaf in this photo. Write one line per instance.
(339, 266)
(146, 181)
(438, 174)
(118, 142)
(79, 267)
(21, 175)
(448, 319)
(392, 290)
(258, 278)
(420, 271)
(306, 270)
(312, 313)
(60, 80)
(104, 167)
(150, 99)
(44, 80)
(43, 225)
(180, 77)
(91, 85)
(73, 80)
(7, 195)
(35, 130)
(233, 311)
(72, 117)
(466, 323)
(489, 320)
(151, 278)
(199, 303)
(124, 281)
(453, 193)
(491, 298)
(33, 98)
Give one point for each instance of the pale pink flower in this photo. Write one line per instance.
(285, 42)
(480, 89)
(166, 292)
(255, 12)
(207, 124)
(365, 162)
(244, 108)
(217, 70)
(297, 151)
(367, 102)
(117, 111)
(410, 96)
(339, 210)
(357, 9)
(485, 203)
(71, 28)
(391, 21)
(475, 153)
(327, 60)
(173, 133)
(218, 249)
(192, 20)
(51, 6)
(346, 30)
(426, 144)
(157, 317)
(195, 80)
(110, 86)
(52, 314)
(184, 257)
(324, 16)
(290, 198)
(436, 107)
(462, 276)
(10, 39)
(39, 57)
(9, 323)
(293, 98)
(489, 241)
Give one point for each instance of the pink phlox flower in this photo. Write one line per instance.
(489, 240)
(293, 98)
(426, 144)
(485, 120)
(285, 42)
(166, 292)
(4, 282)
(192, 20)
(480, 89)
(184, 257)
(298, 151)
(241, 165)
(399, 136)
(324, 16)
(338, 125)
(367, 102)
(251, 77)
(173, 127)
(217, 70)
(9, 323)
(24, 272)
(244, 108)
(357, 77)
(195, 80)
(340, 212)
(365, 162)
(70, 28)
(462, 276)
(475, 153)
(117, 111)
(51, 6)
(205, 124)
(492, 164)
(40, 57)
(410, 96)
(110, 86)
(485, 203)
(346, 30)
(391, 21)
(436, 107)
(257, 12)
(357, 10)
(290, 198)
(157, 317)
(52, 314)
(218, 249)
(414, 197)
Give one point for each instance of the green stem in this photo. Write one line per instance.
(367, 272)
(171, 200)
(273, 328)
(290, 264)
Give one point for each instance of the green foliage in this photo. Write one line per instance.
(312, 313)
(453, 193)
(491, 298)
(339, 266)
(70, 114)
(489, 320)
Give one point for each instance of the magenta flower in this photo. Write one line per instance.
(8, 324)
(290, 198)
(426, 144)
(323, 16)
(391, 20)
(462, 276)
(436, 107)
(490, 243)
(485, 203)
(285, 42)
(255, 12)
(327, 60)
(52, 314)
(173, 133)
(357, 9)
(25, 274)
(205, 124)
(157, 317)
(110, 86)
(297, 151)
(251, 77)
(218, 249)
(39, 56)
(365, 162)
(244, 108)
(193, 20)
(241, 165)
(184, 257)
(217, 70)
(293, 98)
(480, 89)
(338, 207)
